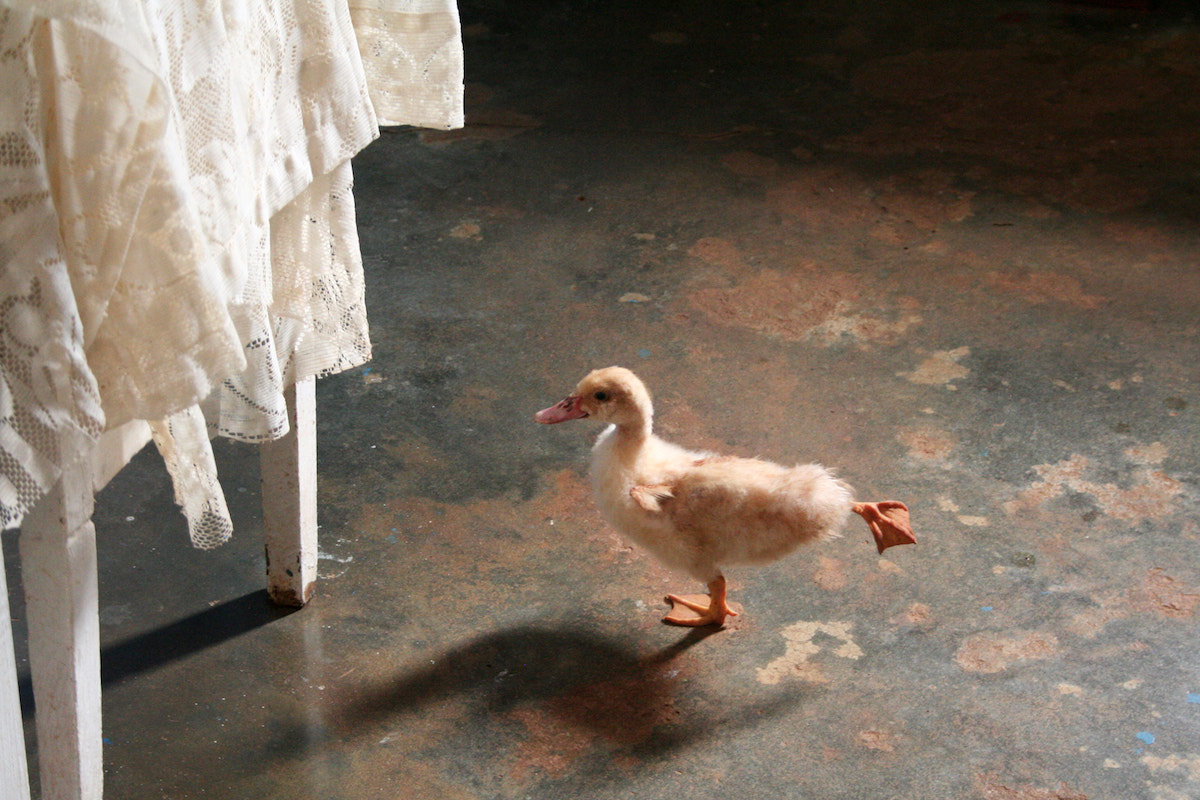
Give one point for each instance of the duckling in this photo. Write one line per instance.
(697, 511)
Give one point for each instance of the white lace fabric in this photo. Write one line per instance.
(420, 83)
(177, 224)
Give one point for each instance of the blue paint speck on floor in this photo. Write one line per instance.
(1146, 737)
(1194, 697)
(643, 353)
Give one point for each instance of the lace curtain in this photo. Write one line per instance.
(177, 223)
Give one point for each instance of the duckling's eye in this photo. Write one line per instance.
(601, 396)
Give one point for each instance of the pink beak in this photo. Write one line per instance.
(569, 408)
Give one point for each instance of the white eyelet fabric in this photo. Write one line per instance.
(177, 223)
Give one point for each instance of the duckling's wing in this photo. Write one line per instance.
(672, 460)
(651, 498)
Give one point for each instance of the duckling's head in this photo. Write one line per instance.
(613, 394)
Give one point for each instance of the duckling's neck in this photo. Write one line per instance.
(630, 436)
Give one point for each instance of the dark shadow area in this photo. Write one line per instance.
(188, 636)
(570, 680)
(506, 668)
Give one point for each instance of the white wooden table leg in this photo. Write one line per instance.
(289, 491)
(58, 566)
(14, 770)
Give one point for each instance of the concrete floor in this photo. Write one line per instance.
(949, 248)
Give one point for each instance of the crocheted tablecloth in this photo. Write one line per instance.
(177, 223)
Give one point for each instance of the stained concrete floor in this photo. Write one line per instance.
(948, 248)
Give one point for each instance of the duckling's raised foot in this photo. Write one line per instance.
(889, 522)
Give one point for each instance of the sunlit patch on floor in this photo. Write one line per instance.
(804, 641)
(941, 368)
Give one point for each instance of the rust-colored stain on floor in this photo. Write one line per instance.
(995, 652)
(1151, 495)
(993, 787)
(807, 304)
(1046, 287)
(617, 714)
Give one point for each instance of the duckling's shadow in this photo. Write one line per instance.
(577, 681)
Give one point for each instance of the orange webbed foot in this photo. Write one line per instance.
(696, 610)
(889, 523)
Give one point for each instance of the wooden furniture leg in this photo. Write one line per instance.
(289, 492)
(58, 563)
(58, 567)
(14, 770)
